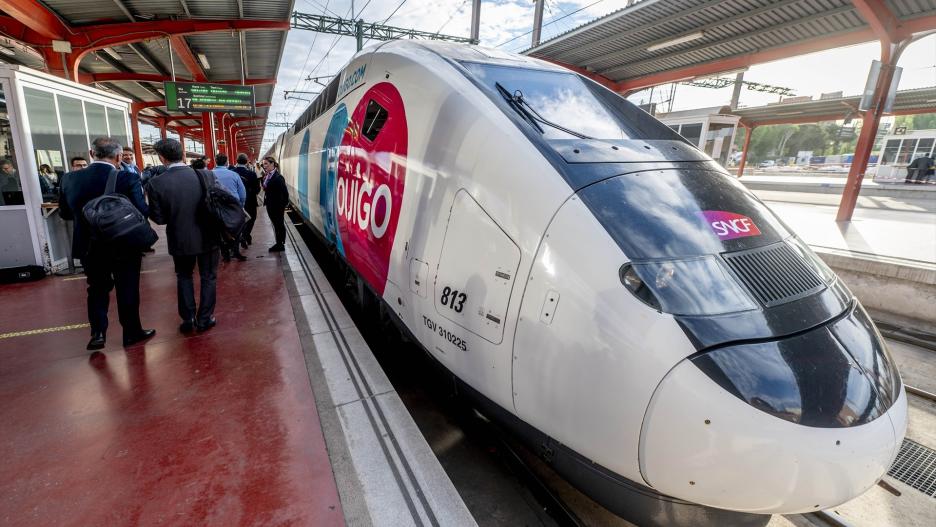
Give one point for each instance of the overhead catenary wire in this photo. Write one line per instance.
(549, 23)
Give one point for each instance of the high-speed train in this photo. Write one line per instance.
(598, 284)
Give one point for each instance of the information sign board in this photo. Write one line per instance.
(204, 97)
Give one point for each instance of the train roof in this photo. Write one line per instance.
(470, 53)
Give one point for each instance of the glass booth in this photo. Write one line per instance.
(45, 121)
(712, 130)
(899, 150)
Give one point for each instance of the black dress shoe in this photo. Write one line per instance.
(139, 337)
(97, 341)
(278, 248)
(243, 244)
(206, 326)
(187, 326)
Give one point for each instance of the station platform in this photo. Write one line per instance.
(216, 428)
(886, 254)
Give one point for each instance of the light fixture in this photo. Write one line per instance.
(204, 61)
(788, 113)
(113, 54)
(7, 51)
(678, 40)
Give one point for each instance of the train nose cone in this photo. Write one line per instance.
(798, 424)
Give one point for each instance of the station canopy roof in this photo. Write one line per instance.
(653, 42)
(907, 102)
(123, 45)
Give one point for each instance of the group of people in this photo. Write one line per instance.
(920, 170)
(171, 195)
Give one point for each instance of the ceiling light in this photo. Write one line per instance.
(113, 54)
(7, 51)
(204, 61)
(678, 40)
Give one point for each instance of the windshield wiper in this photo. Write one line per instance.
(517, 102)
(518, 106)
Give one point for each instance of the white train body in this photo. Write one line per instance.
(543, 270)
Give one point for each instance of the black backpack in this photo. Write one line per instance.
(223, 211)
(114, 222)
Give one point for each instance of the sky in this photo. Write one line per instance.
(505, 24)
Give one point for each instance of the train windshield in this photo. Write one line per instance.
(567, 105)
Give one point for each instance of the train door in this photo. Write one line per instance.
(471, 290)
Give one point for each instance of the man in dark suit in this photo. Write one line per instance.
(252, 185)
(276, 198)
(176, 200)
(126, 161)
(105, 266)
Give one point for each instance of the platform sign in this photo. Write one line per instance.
(203, 97)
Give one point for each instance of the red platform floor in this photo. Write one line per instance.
(218, 428)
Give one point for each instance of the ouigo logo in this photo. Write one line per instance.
(729, 225)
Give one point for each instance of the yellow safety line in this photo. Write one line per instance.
(43, 330)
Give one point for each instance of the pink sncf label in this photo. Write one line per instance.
(729, 225)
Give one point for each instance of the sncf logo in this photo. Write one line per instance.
(728, 225)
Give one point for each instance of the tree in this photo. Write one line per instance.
(808, 137)
(765, 141)
(924, 121)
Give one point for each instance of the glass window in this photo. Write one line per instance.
(906, 150)
(11, 191)
(71, 115)
(890, 151)
(374, 120)
(97, 121)
(571, 102)
(692, 132)
(117, 120)
(47, 143)
(924, 147)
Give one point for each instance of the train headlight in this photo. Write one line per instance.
(694, 286)
(635, 285)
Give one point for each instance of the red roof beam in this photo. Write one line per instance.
(181, 49)
(742, 61)
(37, 18)
(879, 17)
(155, 77)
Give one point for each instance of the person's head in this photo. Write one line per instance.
(169, 151)
(127, 155)
(242, 159)
(199, 164)
(78, 162)
(269, 164)
(6, 166)
(221, 160)
(106, 149)
(45, 169)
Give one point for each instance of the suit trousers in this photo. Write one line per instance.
(252, 210)
(277, 217)
(185, 285)
(106, 271)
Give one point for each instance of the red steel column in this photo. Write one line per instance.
(162, 128)
(869, 127)
(207, 139)
(135, 133)
(748, 132)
